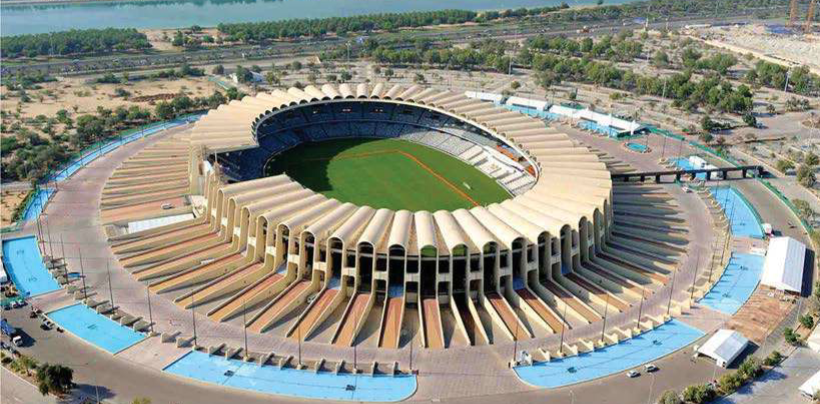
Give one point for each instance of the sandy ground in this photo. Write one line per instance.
(79, 97)
(802, 49)
(9, 200)
(161, 38)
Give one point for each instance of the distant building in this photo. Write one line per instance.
(724, 347)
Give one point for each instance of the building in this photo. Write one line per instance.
(724, 347)
(813, 341)
(270, 247)
(784, 266)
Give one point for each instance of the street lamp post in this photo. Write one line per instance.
(606, 310)
(563, 328)
(694, 279)
(671, 292)
(110, 289)
(150, 313)
(82, 272)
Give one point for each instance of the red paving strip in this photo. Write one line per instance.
(554, 322)
(238, 300)
(597, 291)
(351, 318)
(306, 323)
(277, 308)
(569, 300)
(392, 322)
(432, 323)
(508, 317)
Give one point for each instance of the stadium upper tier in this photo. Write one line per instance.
(270, 246)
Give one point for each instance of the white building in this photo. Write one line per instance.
(724, 347)
(785, 261)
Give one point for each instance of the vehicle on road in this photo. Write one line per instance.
(650, 367)
(632, 374)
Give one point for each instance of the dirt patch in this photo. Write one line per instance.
(9, 201)
(760, 314)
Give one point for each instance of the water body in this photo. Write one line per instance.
(32, 19)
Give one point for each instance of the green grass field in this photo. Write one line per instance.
(387, 173)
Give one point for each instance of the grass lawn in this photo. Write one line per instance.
(387, 173)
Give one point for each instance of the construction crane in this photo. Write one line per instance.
(792, 13)
(810, 16)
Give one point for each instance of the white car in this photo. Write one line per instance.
(649, 368)
(632, 374)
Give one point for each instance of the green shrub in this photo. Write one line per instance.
(670, 397)
(698, 393)
(791, 337)
(730, 382)
(751, 368)
(807, 321)
(773, 359)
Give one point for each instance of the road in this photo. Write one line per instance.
(310, 46)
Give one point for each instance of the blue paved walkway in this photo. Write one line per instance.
(37, 203)
(25, 267)
(744, 219)
(95, 328)
(737, 283)
(613, 359)
(291, 382)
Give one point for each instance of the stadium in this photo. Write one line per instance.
(319, 213)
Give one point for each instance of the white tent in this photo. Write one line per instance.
(724, 347)
(785, 260)
(527, 103)
(493, 97)
(814, 340)
(811, 386)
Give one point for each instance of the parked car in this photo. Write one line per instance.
(632, 374)
(650, 367)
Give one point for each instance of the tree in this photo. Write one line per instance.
(699, 393)
(670, 397)
(296, 65)
(730, 382)
(164, 110)
(243, 75)
(54, 379)
(805, 175)
(804, 210)
(271, 78)
(219, 70)
(773, 359)
(791, 337)
(388, 72)
(141, 400)
(345, 76)
(807, 321)
(750, 120)
(811, 159)
(707, 124)
(515, 85)
(706, 137)
(660, 59)
(751, 368)
(181, 103)
(783, 165)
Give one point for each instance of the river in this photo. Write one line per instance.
(39, 18)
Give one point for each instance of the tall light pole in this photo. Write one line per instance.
(150, 313)
(671, 292)
(82, 272)
(606, 310)
(110, 289)
(563, 328)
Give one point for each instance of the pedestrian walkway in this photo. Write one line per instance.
(290, 382)
(613, 359)
(743, 217)
(22, 261)
(736, 284)
(95, 328)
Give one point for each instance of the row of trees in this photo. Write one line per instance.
(685, 91)
(800, 79)
(29, 156)
(74, 42)
(618, 48)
